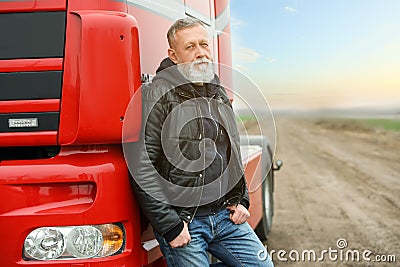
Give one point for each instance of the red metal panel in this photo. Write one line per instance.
(152, 37)
(41, 64)
(32, 5)
(47, 198)
(253, 177)
(203, 7)
(109, 5)
(224, 44)
(101, 73)
(15, 106)
(220, 6)
(23, 106)
(28, 138)
(225, 58)
(81, 185)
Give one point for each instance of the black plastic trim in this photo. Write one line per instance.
(30, 85)
(46, 121)
(32, 35)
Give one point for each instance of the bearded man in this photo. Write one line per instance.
(187, 171)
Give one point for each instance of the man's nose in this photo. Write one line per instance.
(200, 52)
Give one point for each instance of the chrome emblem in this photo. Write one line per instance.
(23, 123)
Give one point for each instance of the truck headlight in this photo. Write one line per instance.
(44, 243)
(84, 242)
(74, 242)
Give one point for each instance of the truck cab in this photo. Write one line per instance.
(68, 71)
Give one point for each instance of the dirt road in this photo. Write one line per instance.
(337, 182)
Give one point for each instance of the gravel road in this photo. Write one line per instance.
(338, 195)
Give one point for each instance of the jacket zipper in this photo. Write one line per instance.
(201, 175)
(202, 134)
(216, 138)
(243, 189)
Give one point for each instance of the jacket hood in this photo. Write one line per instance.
(169, 72)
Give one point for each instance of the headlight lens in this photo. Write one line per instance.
(44, 243)
(113, 239)
(84, 242)
(74, 242)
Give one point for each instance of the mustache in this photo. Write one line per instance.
(202, 60)
(200, 70)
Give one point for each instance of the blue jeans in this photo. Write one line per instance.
(232, 244)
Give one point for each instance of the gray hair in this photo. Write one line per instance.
(180, 24)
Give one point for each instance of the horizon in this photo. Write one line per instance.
(302, 56)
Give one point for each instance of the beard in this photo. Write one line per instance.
(199, 71)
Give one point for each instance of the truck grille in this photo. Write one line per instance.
(32, 35)
(30, 85)
(27, 39)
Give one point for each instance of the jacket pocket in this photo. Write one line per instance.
(184, 180)
(184, 190)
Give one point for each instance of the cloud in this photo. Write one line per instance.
(241, 68)
(289, 9)
(271, 60)
(245, 54)
(236, 23)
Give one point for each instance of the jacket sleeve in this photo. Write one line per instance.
(245, 201)
(144, 159)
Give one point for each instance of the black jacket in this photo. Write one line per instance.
(172, 160)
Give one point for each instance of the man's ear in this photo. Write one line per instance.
(172, 55)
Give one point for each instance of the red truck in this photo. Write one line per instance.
(68, 70)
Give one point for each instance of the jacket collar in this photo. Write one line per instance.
(169, 72)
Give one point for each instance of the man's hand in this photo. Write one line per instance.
(183, 238)
(239, 214)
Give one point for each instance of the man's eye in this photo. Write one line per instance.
(205, 44)
(189, 47)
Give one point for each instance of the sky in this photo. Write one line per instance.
(312, 54)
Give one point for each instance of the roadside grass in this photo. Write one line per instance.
(244, 118)
(360, 124)
(387, 124)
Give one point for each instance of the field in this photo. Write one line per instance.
(340, 183)
(365, 124)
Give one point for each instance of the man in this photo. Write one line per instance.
(187, 170)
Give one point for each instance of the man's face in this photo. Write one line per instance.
(191, 51)
(190, 44)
